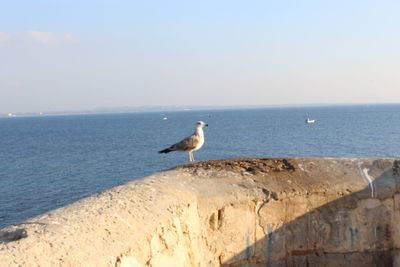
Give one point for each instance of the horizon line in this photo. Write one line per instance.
(165, 108)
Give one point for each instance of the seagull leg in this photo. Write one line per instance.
(193, 156)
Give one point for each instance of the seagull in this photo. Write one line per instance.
(190, 143)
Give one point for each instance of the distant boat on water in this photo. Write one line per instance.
(310, 121)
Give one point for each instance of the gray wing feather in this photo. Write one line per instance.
(186, 144)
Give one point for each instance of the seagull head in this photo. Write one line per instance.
(201, 124)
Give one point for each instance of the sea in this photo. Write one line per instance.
(50, 161)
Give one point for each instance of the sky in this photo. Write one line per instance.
(83, 55)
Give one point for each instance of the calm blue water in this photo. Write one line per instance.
(47, 162)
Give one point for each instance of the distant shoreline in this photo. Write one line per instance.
(151, 109)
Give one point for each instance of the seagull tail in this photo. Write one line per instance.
(167, 150)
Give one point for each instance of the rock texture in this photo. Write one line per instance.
(238, 212)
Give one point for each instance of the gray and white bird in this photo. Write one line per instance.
(190, 143)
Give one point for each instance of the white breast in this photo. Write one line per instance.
(200, 135)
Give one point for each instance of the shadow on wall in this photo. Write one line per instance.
(9, 236)
(359, 229)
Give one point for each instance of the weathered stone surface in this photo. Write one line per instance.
(239, 212)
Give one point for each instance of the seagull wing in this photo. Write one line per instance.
(187, 144)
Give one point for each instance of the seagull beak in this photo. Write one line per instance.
(206, 124)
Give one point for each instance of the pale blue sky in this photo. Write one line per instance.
(75, 55)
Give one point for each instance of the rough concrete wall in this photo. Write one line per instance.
(242, 212)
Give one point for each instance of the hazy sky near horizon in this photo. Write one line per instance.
(79, 55)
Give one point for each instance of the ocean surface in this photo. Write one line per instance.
(50, 161)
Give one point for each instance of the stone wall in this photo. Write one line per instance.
(240, 212)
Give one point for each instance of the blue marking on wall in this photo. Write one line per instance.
(248, 244)
(353, 236)
(269, 245)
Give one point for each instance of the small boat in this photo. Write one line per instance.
(165, 118)
(310, 121)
